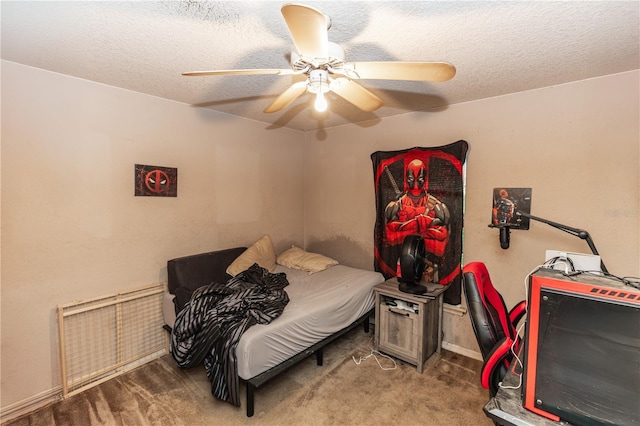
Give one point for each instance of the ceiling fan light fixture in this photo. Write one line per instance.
(318, 83)
(321, 102)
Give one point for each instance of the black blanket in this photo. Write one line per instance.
(421, 191)
(210, 325)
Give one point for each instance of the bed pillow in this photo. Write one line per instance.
(297, 258)
(261, 252)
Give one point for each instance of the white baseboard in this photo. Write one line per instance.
(30, 404)
(458, 310)
(462, 351)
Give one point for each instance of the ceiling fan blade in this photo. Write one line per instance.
(288, 96)
(308, 28)
(239, 72)
(417, 71)
(356, 94)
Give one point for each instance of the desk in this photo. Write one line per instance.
(506, 407)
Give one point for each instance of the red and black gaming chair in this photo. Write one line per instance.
(494, 326)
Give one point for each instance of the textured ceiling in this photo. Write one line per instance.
(496, 47)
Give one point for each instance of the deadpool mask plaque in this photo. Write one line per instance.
(154, 181)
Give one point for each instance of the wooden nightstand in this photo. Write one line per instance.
(412, 329)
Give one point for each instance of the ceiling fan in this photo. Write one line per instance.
(323, 64)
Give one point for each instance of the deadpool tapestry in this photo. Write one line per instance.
(421, 191)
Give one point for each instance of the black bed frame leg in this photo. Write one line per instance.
(250, 389)
(319, 354)
(366, 324)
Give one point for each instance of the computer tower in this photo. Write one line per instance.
(582, 349)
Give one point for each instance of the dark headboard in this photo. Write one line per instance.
(185, 274)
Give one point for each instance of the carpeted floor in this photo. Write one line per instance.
(341, 392)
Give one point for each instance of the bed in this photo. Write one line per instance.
(322, 306)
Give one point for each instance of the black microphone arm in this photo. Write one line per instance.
(581, 233)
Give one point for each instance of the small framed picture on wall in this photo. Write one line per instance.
(506, 203)
(155, 181)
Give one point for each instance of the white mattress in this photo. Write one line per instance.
(319, 305)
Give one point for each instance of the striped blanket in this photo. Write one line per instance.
(210, 325)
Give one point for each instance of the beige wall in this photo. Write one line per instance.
(71, 226)
(72, 229)
(576, 145)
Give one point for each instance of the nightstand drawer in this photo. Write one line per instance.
(401, 328)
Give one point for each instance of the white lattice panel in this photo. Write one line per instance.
(104, 337)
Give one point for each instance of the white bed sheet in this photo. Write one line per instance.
(319, 305)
